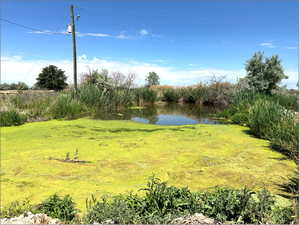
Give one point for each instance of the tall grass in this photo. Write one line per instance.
(67, 107)
(145, 95)
(268, 118)
(11, 118)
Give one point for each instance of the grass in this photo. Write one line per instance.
(124, 154)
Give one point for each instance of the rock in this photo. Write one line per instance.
(29, 218)
(108, 222)
(197, 218)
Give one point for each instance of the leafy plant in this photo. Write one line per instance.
(161, 203)
(60, 208)
(12, 118)
(16, 208)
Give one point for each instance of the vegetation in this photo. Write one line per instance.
(203, 157)
(60, 208)
(15, 208)
(171, 95)
(264, 74)
(145, 95)
(152, 79)
(14, 86)
(66, 107)
(11, 118)
(51, 78)
(160, 203)
(122, 154)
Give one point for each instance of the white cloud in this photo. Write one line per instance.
(268, 45)
(143, 32)
(121, 35)
(93, 34)
(16, 69)
(291, 47)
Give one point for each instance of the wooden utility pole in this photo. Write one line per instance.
(74, 48)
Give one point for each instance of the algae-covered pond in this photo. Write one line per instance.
(122, 154)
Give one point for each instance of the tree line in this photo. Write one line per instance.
(263, 74)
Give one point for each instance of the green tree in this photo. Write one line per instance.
(51, 78)
(152, 79)
(264, 74)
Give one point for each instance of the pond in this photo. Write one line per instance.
(165, 114)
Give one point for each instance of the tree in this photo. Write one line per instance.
(51, 78)
(152, 79)
(264, 74)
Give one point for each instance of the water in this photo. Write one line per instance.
(166, 114)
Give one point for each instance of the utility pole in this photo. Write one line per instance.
(74, 48)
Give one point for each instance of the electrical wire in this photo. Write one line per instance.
(31, 28)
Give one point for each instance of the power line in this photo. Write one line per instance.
(30, 28)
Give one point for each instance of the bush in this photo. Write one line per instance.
(12, 118)
(67, 107)
(287, 100)
(162, 203)
(240, 118)
(16, 208)
(171, 95)
(145, 95)
(60, 208)
(194, 94)
(117, 210)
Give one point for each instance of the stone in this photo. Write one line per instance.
(197, 218)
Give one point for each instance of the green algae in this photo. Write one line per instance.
(123, 154)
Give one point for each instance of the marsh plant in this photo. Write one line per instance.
(12, 118)
(67, 107)
(62, 208)
(161, 203)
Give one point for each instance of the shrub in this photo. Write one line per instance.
(171, 95)
(16, 208)
(145, 95)
(162, 203)
(287, 100)
(194, 94)
(117, 210)
(60, 208)
(66, 107)
(226, 204)
(11, 118)
(240, 118)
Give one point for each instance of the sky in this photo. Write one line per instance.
(185, 42)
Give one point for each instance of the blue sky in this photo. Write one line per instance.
(184, 41)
